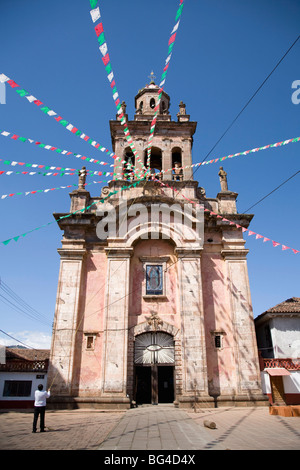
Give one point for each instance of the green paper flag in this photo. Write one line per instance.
(93, 3)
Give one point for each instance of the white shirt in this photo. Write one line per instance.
(40, 398)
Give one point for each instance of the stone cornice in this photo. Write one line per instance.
(72, 253)
(234, 254)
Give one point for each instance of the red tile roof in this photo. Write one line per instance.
(288, 306)
(27, 354)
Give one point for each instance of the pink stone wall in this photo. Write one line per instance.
(87, 374)
(217, 314)
(139, 308)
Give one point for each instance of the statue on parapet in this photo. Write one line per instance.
(223, 179)
(82, 178)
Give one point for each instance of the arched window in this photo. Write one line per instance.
(154, 348)
(152, 103)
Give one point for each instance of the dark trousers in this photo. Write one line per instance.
(39, 411)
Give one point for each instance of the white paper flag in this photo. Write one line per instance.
(103, 49)
(110, 76)
(175, 27)
(95, 14)
(30, 98)
(3, 78)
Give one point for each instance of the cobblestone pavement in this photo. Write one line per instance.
(160, 427)
(65, 430)
(249, 429)
(152, 428)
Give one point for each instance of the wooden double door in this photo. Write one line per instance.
(154, 384)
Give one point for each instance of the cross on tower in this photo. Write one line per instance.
(152, 77)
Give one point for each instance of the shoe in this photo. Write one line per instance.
(33, 431)
(43, 430)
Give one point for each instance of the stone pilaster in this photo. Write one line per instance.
(194, 367)
(115, 338)
(245, 349)
(65, 321)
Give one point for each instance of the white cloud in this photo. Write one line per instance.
(33, 339)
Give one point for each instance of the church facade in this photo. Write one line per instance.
(153, 301)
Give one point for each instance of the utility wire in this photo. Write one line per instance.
(15, 339)
(19, 305)
(275, 189)
(249, 101)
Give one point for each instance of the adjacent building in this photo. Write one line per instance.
(278, 339)
(21, 371)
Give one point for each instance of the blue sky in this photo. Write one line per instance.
(223, 52)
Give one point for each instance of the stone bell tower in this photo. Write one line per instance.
(172, 142)
(150, 312)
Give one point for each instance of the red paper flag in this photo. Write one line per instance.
(99, 29)
(105, 59)
(12, 83)
(275, 243)
(172, 39)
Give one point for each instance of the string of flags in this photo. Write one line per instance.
(67, 153)
(230, 222)
(35, 165)
(51, 147)
(60, 170)
(171, 43)
(22, 235)
(103, 48)
(31, 173)
(244, 153)
(49, 112)
(27, 193)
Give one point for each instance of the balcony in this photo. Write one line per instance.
(289, 364)
(25, 366)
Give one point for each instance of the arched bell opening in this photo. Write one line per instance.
(177, 172)
(129, 164)
(155, 162)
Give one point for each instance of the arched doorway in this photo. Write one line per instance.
(154, 360)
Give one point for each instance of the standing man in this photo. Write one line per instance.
(40, 407)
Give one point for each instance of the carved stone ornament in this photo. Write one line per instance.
(105, 191)
(154, 321)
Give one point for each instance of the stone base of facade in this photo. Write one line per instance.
(222, 400)
(97, 403)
